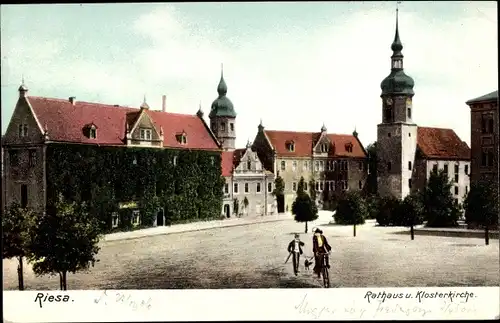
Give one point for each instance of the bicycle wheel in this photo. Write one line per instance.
(326, 278)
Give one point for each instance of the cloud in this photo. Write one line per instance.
(295, 76)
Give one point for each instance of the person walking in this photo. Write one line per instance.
(295, 249)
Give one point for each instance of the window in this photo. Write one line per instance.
(445, 168)
(24, 195)
(456, 177)
(334, 165)
(115, 219)
(226, 188)
(324, 148)
(388, 114)
(32, 157)
(14, 157)
(283, 165)
(490, 125)
(409, 134)
(222, 126)
(435, 167)
(348, 148)
(466, 170)
(249, 164)
(306, 165)
(23, 130)
(360, 165)
(246, 188)
(145, 134)
(389, 166)
(136, 218)
(456, 190)
(466, 189)
(92, 133)
(490, 158)
(174, 161)
(487, 123)
(212, 160)
(484, 158)
(456, 169)
(305, 186)
(214, 126)
(183, 139)
(409, 183)
(360, 184)
(409, 165)
(332, 185)
(294, 165)
(322, 165)
(290, 146)
(269, 187)
(409, 113)
(321, 186)
(231, 126)
(294, 186)
(389, 134)
(258, 188)
(316, 166)
(235, 188)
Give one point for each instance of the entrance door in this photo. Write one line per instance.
(227, 210)
(280, 200)
(160, 218)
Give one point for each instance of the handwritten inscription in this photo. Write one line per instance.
(124, 299)
(42, 298)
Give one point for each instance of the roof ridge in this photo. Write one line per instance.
(311, 132)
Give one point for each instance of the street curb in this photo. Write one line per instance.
(193, 230)
(455, 234)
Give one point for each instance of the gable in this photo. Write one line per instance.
(144, 122)
(23, 115)
(322, 143)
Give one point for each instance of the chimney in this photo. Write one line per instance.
(72, 100)
(164, 103)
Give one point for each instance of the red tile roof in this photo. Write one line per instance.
(440, 143)
(65, 122)
(305, 141)
(231, 160)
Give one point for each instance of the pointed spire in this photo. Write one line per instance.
(222, 87)
(355, 133)
(323, 128)
(249, 144)
(22, 88)
(261, 126)
(397, 46)
(144, 105)
(200, 112)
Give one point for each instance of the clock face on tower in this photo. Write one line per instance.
(408, 103)
(388, 101)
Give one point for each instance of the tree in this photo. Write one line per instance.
(65, 240)
(481, 207)
(387, 207)
(351, 209)
(410, 212)
(372, 204)
(17, 224)
(279, 186)
(304, 209)
(371, 181)
(440, 208)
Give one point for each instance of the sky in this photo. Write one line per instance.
(293, 65)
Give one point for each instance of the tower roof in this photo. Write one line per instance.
(222, 106)
(397, 82)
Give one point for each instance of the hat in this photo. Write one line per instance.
(318, 230)
(297, 235)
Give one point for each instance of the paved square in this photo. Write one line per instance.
(253, 257)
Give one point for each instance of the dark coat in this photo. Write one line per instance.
(291, 246)
(325, 244)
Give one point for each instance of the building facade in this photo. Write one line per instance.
(40, 123)
(329, 163)
(406, 152)
(484, 138)
(248, 186)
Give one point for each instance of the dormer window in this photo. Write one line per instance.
(181, 138)
(90, 131)
(290, 146)
(146, 134)
(249, 164)
(348, 147)
(324, 148)
(223, 126)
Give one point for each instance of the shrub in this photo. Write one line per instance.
(351, 209)
(387, 207)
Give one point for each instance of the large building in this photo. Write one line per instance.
(484, 138)
(248, 186)
(329, 163)
(38, 124)
(406, 152)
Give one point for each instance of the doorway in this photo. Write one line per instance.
(160, 218)
(227, 210)
(280, 200)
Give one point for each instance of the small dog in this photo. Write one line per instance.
(308, 263)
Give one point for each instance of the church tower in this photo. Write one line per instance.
(397, 134)
(223, 117)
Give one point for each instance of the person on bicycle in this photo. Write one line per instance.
(295, 248)
(321, 248)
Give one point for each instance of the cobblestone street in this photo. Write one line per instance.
(253, 256)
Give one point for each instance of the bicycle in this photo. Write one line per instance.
(324, 269)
